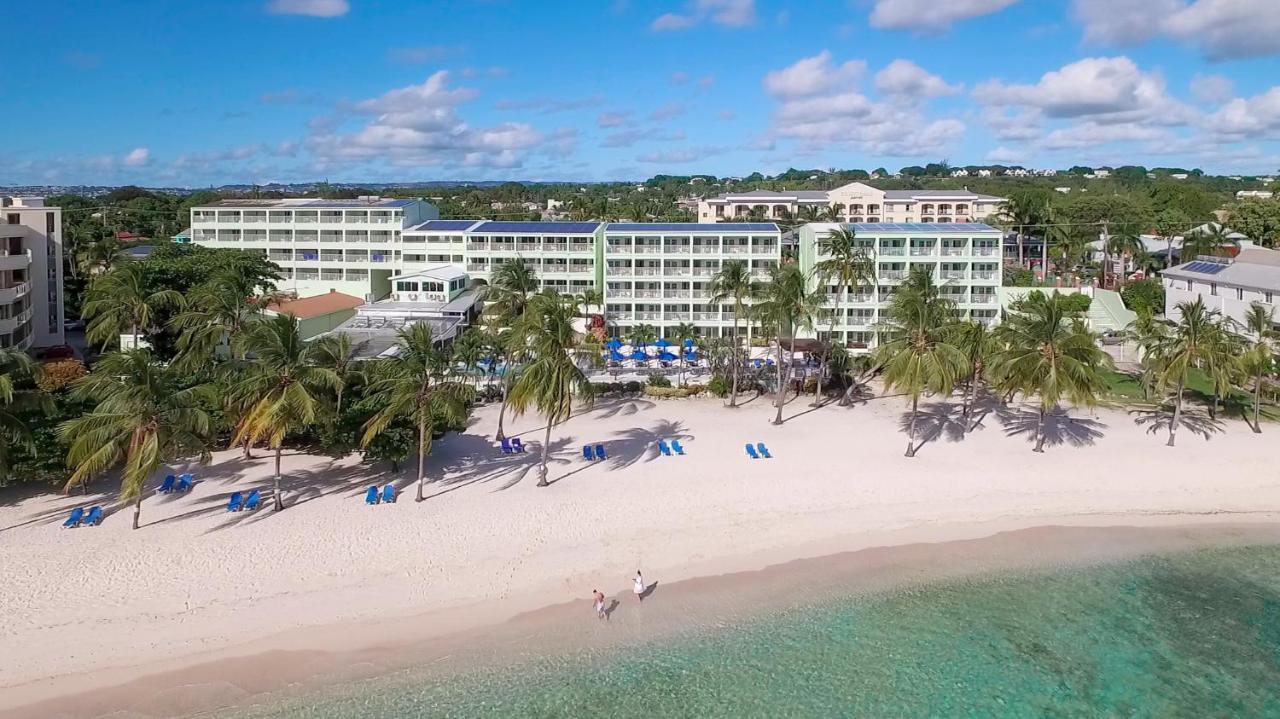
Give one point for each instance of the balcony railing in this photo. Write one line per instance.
(705, 249)
(921, 251)
(647, 250)
(984, 251)
(677, 294)
(707, 316)
(676, 272)
(892, 274)
(676, 249)
(527, 247)
(619, 248)
(983, 299)
(681, 316)
(649, 293)
(621, 293)
(648, 315)
(952, 251)
(984, 275)
(647, 271)
(953, 274)
(704, 271)
(477, 267)
(616, 271)
(581, 268)
(893, 251)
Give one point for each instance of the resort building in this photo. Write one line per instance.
(442, 296)
(1228, 285)
(963, 257)
(31, 310)
(564, 255)
(352, 246)
(660, 274)
(317, 314)
(855, 202)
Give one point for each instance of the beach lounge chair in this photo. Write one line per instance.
(236, 503)
(751, 451)
(506, 446)
(675, 445)
(516, 444)
(184, 483)
(389, 494)
(600, 452)
(586, 453)
(94, 517)
(663, 448)
(77, 514)
(254, 500)
(167, 485)
(764, 451)
(371, 495)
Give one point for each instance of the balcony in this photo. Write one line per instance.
(678, 316)
(952, 251)
(305, 218)
(893, 251)
(983, 299)
(620, 249)
(984, 274)
(203, 219)
(554, 247)
(677, 294)
(581, 268)
(477, 267)
(985, 251)
(527, 247)
(921, 251)
(581, 247)
(707, 316)
(620, 293)
(20, 261)
(647, 250)
(618, 271)
(648, 316)
(477, 246)
(953, 274)
(892, 274)
(9, 294)
(7, 326)
(736, 249)
(705, 249)
(704, 271)
(676, 249)
(646, 294)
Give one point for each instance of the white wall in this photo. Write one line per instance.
(1230, 301)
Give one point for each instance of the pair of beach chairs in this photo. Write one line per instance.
(592, 454)
(240, 502)
(669, 450)
(78, 516)
(387, 496)
(759, 451)
(512, 446)
(180, 484)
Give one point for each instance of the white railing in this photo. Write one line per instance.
(682, 316)
(892, 274)
(554, 247)
(984, 251)
(304, 218)
(620, 293)
(893, 251)
(953, 274)
(707, 316)
(648, 315)
(675, 272)
(646, 271)
(618, 248)
(473, 267)
(984, 275)
(705, 249)
(677, 249)
(614, 271)
(647, 250)
(704, 271)
(681, 294)
(983, 299)
(952, 251)
(736, 250)
(581, 268)
(649, 293)
(527, 247)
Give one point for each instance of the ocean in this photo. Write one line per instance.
(1187, 634)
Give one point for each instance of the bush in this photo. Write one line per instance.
(657, 380)
(720, 386)
(1077, 302)
(57, 375)
(1144, 296)
(1019, 277)
(673, 392)
(632, 387)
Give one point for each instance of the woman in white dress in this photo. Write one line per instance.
(639, 586)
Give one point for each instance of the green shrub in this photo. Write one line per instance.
(1077, 302)
(657, 380)
(1144, 296)
(632, 387)
(720, 386)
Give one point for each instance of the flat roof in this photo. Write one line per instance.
(931, 228)
(444, 271)
(444, 226)
(717, 227)
(304, 203)
(490, 227)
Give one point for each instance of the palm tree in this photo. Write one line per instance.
(219, 311)
(788, 306)
(511, 288)
(1048, 352)
(680, 333)
(281, 390)
(643, 335)
(16, 367)
(592, 297)
(338, 353)
(917, 351)
(119, 302)
(847, 265)
(552, 378)
(1260, 353)
(832, 213)
(469, 348)
(415, 384)
(1194, 342)
(978, 344)
(1018, 212)
(1214, 241)
(145, 416)
(99, 257)
(733, 283)
(1123, 244)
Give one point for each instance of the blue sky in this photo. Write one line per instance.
(197, 93)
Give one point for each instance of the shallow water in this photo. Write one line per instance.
(1189, 634)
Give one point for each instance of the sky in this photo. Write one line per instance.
(196, 94)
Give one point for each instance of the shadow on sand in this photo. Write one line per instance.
(1194, 420)
(1059, 427)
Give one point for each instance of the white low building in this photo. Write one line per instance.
(856, 202)
(1228, 285)
(31, 309)
(442, 297)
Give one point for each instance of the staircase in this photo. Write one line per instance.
(1107, 312)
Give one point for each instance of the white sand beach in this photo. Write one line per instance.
(99, 606)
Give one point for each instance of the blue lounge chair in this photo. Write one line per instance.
(184, 483)
(94, 517)
(516, 444)
(600, 452)
(254, 500)
(77, 514)
(167, 485)
(506, 446)
(586, 453)
(675, 445)
(371, 495)
(663, 448)
(236, 502)
(751, 452)
(764, 451)
(389, 494)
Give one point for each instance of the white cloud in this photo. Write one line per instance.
(728, 13)
(1221, 29)
(550, 105)
(1253, 118)
(627, 138)
(667, 111)
(1104, 89)
(613, 119)
(1005, 156)
(1093, 134)
(905, 79)
(931, 16)
(813, 75)
(1212, 89)
(311, 8)
(138, 157)
(680, 156)
(1017, 126)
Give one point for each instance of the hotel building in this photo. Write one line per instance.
(31, 310)
(1230, 285)
(855, 202)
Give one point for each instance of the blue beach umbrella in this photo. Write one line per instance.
(616, 356)
(639, 355)
(688, 343)
(613, 343)
(662, 342)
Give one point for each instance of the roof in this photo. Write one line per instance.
(820, 195)
(716, 227)
(1210, 227)
(537, 228)
(927, 228)
(444, 226)
(317, 305)
(1254, 268)
(936, 195)
(310, 204)
(445, 272)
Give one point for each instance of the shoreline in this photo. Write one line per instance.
(499, 633)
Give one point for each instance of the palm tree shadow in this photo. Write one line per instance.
(1195, 421)
(934, 420)
(1059, 427)
(634, 445)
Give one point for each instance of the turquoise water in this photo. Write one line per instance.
(1194, 634)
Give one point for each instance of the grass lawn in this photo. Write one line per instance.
(1126, 388)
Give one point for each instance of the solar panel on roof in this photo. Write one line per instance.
(448, 224)
(691, 227)
(540, 228)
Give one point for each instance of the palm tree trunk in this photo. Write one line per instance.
(826, 354)
(1021, 262)
(1044, 261)
(968, 397)
(546, 444)
(137, 510)
(502, 413)
(1040, 432)
(911, 434)
(1177, 413)
(1213, 408)
(733, 393)
(1168, 252)
(279, 500)
(782, 388)
(1257, 402)
(422, 459)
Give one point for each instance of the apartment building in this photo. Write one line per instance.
(660, 273)
(963, 257)
(564, 255)
(351, 246)
(1229, 285)
(31, 310)
(855, 202)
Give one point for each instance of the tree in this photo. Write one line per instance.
(1019, 211)
(216, 313)
(552, 378)
(1257, 219)
(1169, 223)
(511, 288)
(415, 385)
(1213, 241)
(643, 335)
(17, 370)
(847, 265)
(338, 353)
(978, 344)
(281, 390)
(1145, 295)
(681, 332)
(918, 353)
(146, 415)
(120, 302)
(1047, 351)
(1260, 353)
(733, 283)
(1196, 341)
(469, 348)
(592, 297)
(787, 306)
(1123, 244)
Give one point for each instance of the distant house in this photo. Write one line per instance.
(984, 173)
(319, 313)
(1255, 194)
(183, 238)
(126, 237)
(1179, 175)
(959, 173)
(1228, 285)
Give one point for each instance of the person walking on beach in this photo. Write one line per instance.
(599, 599)
(639, 586)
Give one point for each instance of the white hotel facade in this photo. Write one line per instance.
(855, 203)
(31, 309)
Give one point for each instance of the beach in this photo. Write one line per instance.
(92, 608)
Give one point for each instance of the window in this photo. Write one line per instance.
(48, 223)
(1239, 294)
(1268, 298)
(14, 218)
(1213, 289)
